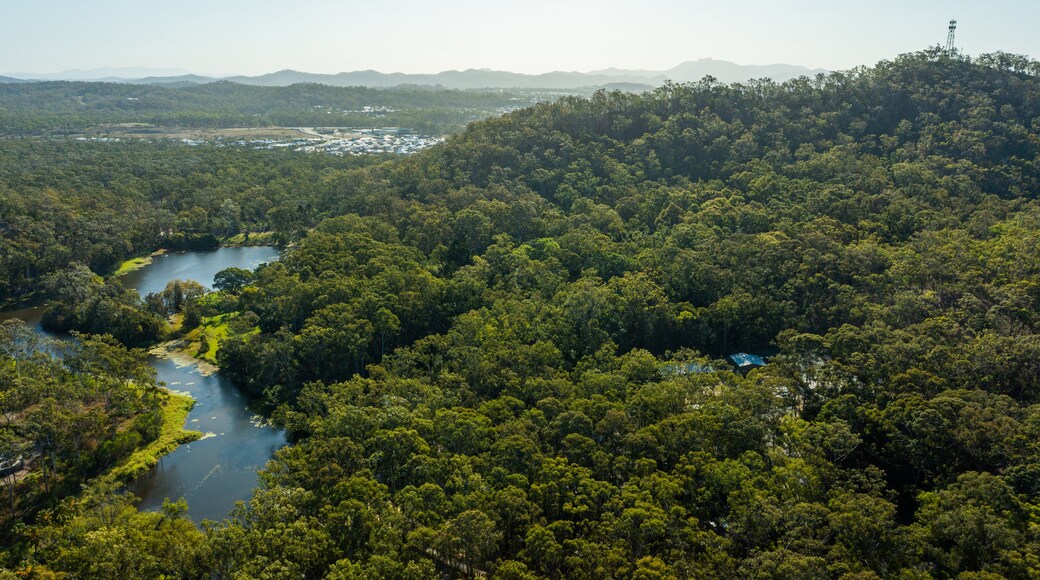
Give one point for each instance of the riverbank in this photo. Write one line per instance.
(196, 347)
(136, 263)
(245, 239)
(183, 353)
(212, 474)
(175, 411)
(24, 301)
(241, 240)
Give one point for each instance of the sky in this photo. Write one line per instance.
(253, 37)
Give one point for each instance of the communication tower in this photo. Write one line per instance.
(951, 47)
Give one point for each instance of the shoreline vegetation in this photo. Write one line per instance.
(181, 352)
(239, 240)
(265, 238)
(136, 263)
(197, 347)
(175, 411)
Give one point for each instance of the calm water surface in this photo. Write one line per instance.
(220, 469)
(198, 266)
(215, 472)
(30, 315)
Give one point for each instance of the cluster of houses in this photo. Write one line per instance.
(351, 142)
(373, 141)
(374, 110)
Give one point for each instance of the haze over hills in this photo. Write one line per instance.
(725, 71)
(102, 74)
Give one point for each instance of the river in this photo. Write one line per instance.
(220, 469)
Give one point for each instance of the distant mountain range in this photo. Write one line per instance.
(105, 73)
(690, 71)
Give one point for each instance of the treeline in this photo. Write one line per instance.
(61, 107)
(97, 204)
(71, 411)
(502, 358)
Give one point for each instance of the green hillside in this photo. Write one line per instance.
(503, 357)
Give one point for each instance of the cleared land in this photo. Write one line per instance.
(146, 131)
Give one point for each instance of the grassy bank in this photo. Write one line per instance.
(136, 263)
(174, 414)
(197, 346)
(204, 340)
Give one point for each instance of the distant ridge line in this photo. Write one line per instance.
(690, 71)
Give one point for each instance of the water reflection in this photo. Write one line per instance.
(215, 472)
(220, 469)
(198, 266)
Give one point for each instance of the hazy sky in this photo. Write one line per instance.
(258, 36)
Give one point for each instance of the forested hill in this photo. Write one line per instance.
(747, 209)
(502, 357)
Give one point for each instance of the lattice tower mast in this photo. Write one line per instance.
(951, 47)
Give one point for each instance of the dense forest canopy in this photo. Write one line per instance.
(98, 204)
(62, 107)
(78, 407)
(501, 356)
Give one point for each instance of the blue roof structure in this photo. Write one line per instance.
(744, 360)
